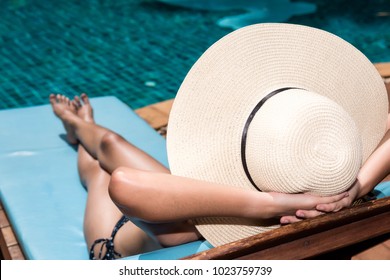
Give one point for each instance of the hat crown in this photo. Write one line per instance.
(300, 141)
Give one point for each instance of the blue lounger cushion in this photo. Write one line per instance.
(382, 190)
(39, 185)
(173, 253)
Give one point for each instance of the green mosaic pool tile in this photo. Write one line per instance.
(139, 51)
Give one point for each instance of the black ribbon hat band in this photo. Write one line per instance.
(246, 128)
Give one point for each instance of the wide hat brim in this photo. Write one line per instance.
(234, 74)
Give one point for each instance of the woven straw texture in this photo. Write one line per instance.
(348, 114)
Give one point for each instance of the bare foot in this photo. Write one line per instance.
(63, 108)
(84, 108)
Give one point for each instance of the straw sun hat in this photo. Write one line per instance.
(275, 107)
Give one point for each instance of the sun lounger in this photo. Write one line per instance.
(313, 238)
(40, 190)
(44, 202)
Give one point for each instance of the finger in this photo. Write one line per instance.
(333, 207)
(304, 214)
(338, 197)
(326, 199)
(289, 220)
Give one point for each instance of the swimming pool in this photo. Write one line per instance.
(139, 51)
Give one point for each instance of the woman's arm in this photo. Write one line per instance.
(376, 168)
(158, 197)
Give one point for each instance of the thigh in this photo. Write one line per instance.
(101, 214)
(101, 218)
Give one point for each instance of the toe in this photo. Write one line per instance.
(73, 105)
(85, 98)
(53, 99)
(59, 98)
(77, 101)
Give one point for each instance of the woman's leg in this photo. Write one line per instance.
(110, 151)
(101, 215)
(109, 148)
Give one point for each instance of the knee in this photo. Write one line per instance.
(121, 183)
(125, 190)
(109, 140)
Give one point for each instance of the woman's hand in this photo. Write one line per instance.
(324, 207)
(287, 204)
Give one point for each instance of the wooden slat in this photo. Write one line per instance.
(10, 249)
(156, 115)
(310, 237)
(3, 219)
(383, 69)
(9, 236)
(16, 253)
(320, 243)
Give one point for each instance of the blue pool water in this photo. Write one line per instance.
(139, 51)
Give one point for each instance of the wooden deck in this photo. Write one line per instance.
(157, 116)
(10, 249)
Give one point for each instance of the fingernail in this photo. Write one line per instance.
(320, 208)
(300, 214)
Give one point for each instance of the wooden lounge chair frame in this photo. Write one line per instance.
(308, 239)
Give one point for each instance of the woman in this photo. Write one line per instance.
(121, 178)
